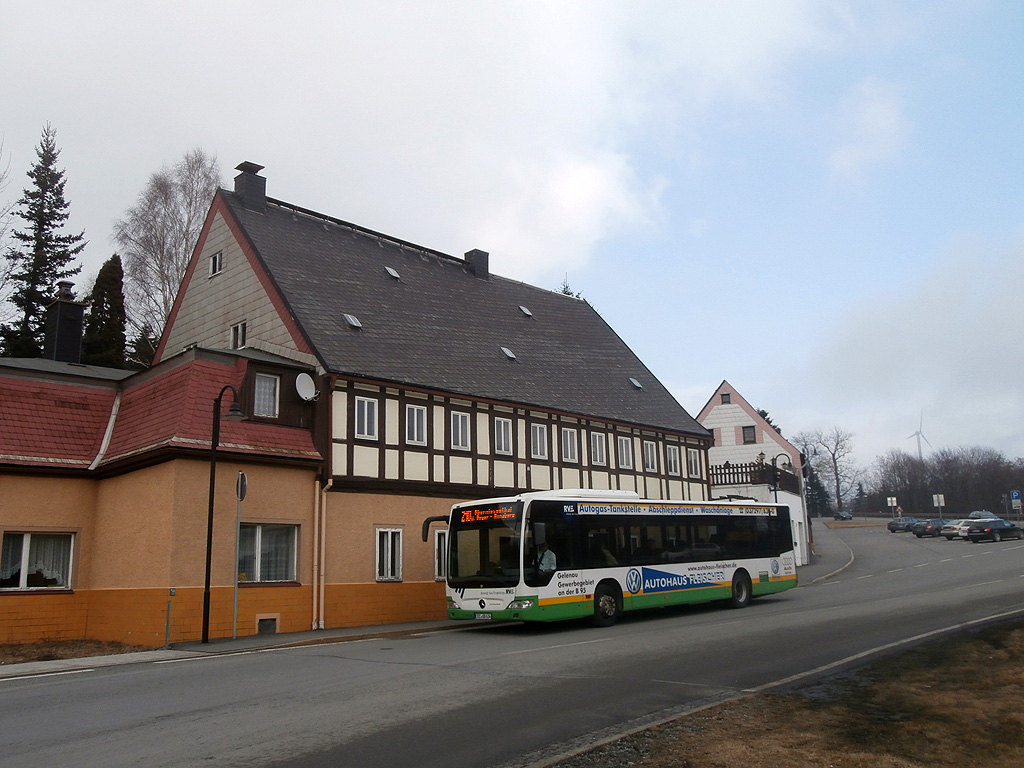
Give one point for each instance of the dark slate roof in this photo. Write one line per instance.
(441, 327)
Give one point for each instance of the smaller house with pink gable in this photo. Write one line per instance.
(750, 459)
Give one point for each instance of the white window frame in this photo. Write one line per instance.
(366, 418)
(415, 424)
(238, 335)
(440, 554)
(598, 449)
(257, 577)
(261, 405)
(672, 466)
(650, 456)
(388, 554)
(461, 440)
(624, 451)
(539, 441)
(216, 263)
(24, 560)
(503, 436)
(693, 462)
(570, 451)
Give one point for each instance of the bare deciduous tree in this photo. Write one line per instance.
(831, 454)
(156, 235)
(7, 309)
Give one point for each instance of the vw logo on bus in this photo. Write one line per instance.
(633, 581)
(775, 567)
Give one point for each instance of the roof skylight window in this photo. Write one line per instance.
(525, 310)
(508, 353)
(635, 383)
(393, 272)
(353, 321)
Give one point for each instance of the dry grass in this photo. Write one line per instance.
(954, 702)
(62, 649)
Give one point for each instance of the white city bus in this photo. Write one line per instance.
(565, 554)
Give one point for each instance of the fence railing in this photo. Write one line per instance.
(755, 473)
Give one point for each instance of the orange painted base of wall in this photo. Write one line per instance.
(151, 617)
(360, 605)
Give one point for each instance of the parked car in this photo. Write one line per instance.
(982, 514)
(931, 527)
(898, 524)
(844, 515)
(949, 530)
(996, 530)
(961, 531)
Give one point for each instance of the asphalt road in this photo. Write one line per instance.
(502, 695)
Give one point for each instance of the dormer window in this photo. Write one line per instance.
(266, 395)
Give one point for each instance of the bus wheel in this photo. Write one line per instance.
(607, 607)
(741, 591)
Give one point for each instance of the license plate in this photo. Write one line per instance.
(482, 616)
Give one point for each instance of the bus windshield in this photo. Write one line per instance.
(484, 545)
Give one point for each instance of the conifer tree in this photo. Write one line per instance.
(41, 255)
(103, 342)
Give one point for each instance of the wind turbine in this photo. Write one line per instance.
(920, 436)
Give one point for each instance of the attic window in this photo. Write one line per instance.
(635, 383)
(525, 310)
(393, 272)
(508, 353)
(353, 321)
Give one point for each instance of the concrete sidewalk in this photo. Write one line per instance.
(830, 555)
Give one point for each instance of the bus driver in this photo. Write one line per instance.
(546, 561)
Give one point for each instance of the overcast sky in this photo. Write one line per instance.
(821, 202)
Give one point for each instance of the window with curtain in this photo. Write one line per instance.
(265, 397)
(266, 552)
(36, 561)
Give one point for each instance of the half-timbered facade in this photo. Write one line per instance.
(436, 381)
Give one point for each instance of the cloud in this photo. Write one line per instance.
(872, 128)
(948, 346)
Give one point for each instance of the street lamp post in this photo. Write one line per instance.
(775, 472)
(234, 414)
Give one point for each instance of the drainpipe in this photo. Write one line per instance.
(323, 549)
(316, 547)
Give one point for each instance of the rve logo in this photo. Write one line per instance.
(633, 581)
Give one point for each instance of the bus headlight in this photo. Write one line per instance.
(520, 605)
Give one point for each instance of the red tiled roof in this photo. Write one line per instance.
(176, 410)
(63, 423)
(51, 423)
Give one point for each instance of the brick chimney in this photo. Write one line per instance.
(63, 339)
(477, 263)
(251, 187)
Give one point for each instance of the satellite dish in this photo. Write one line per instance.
(305, 387)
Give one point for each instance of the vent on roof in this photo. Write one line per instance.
(508, 353)
(353, 321)
(393, 272)
(525, 310)
(635, 383)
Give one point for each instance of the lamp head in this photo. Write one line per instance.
(234, 413)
